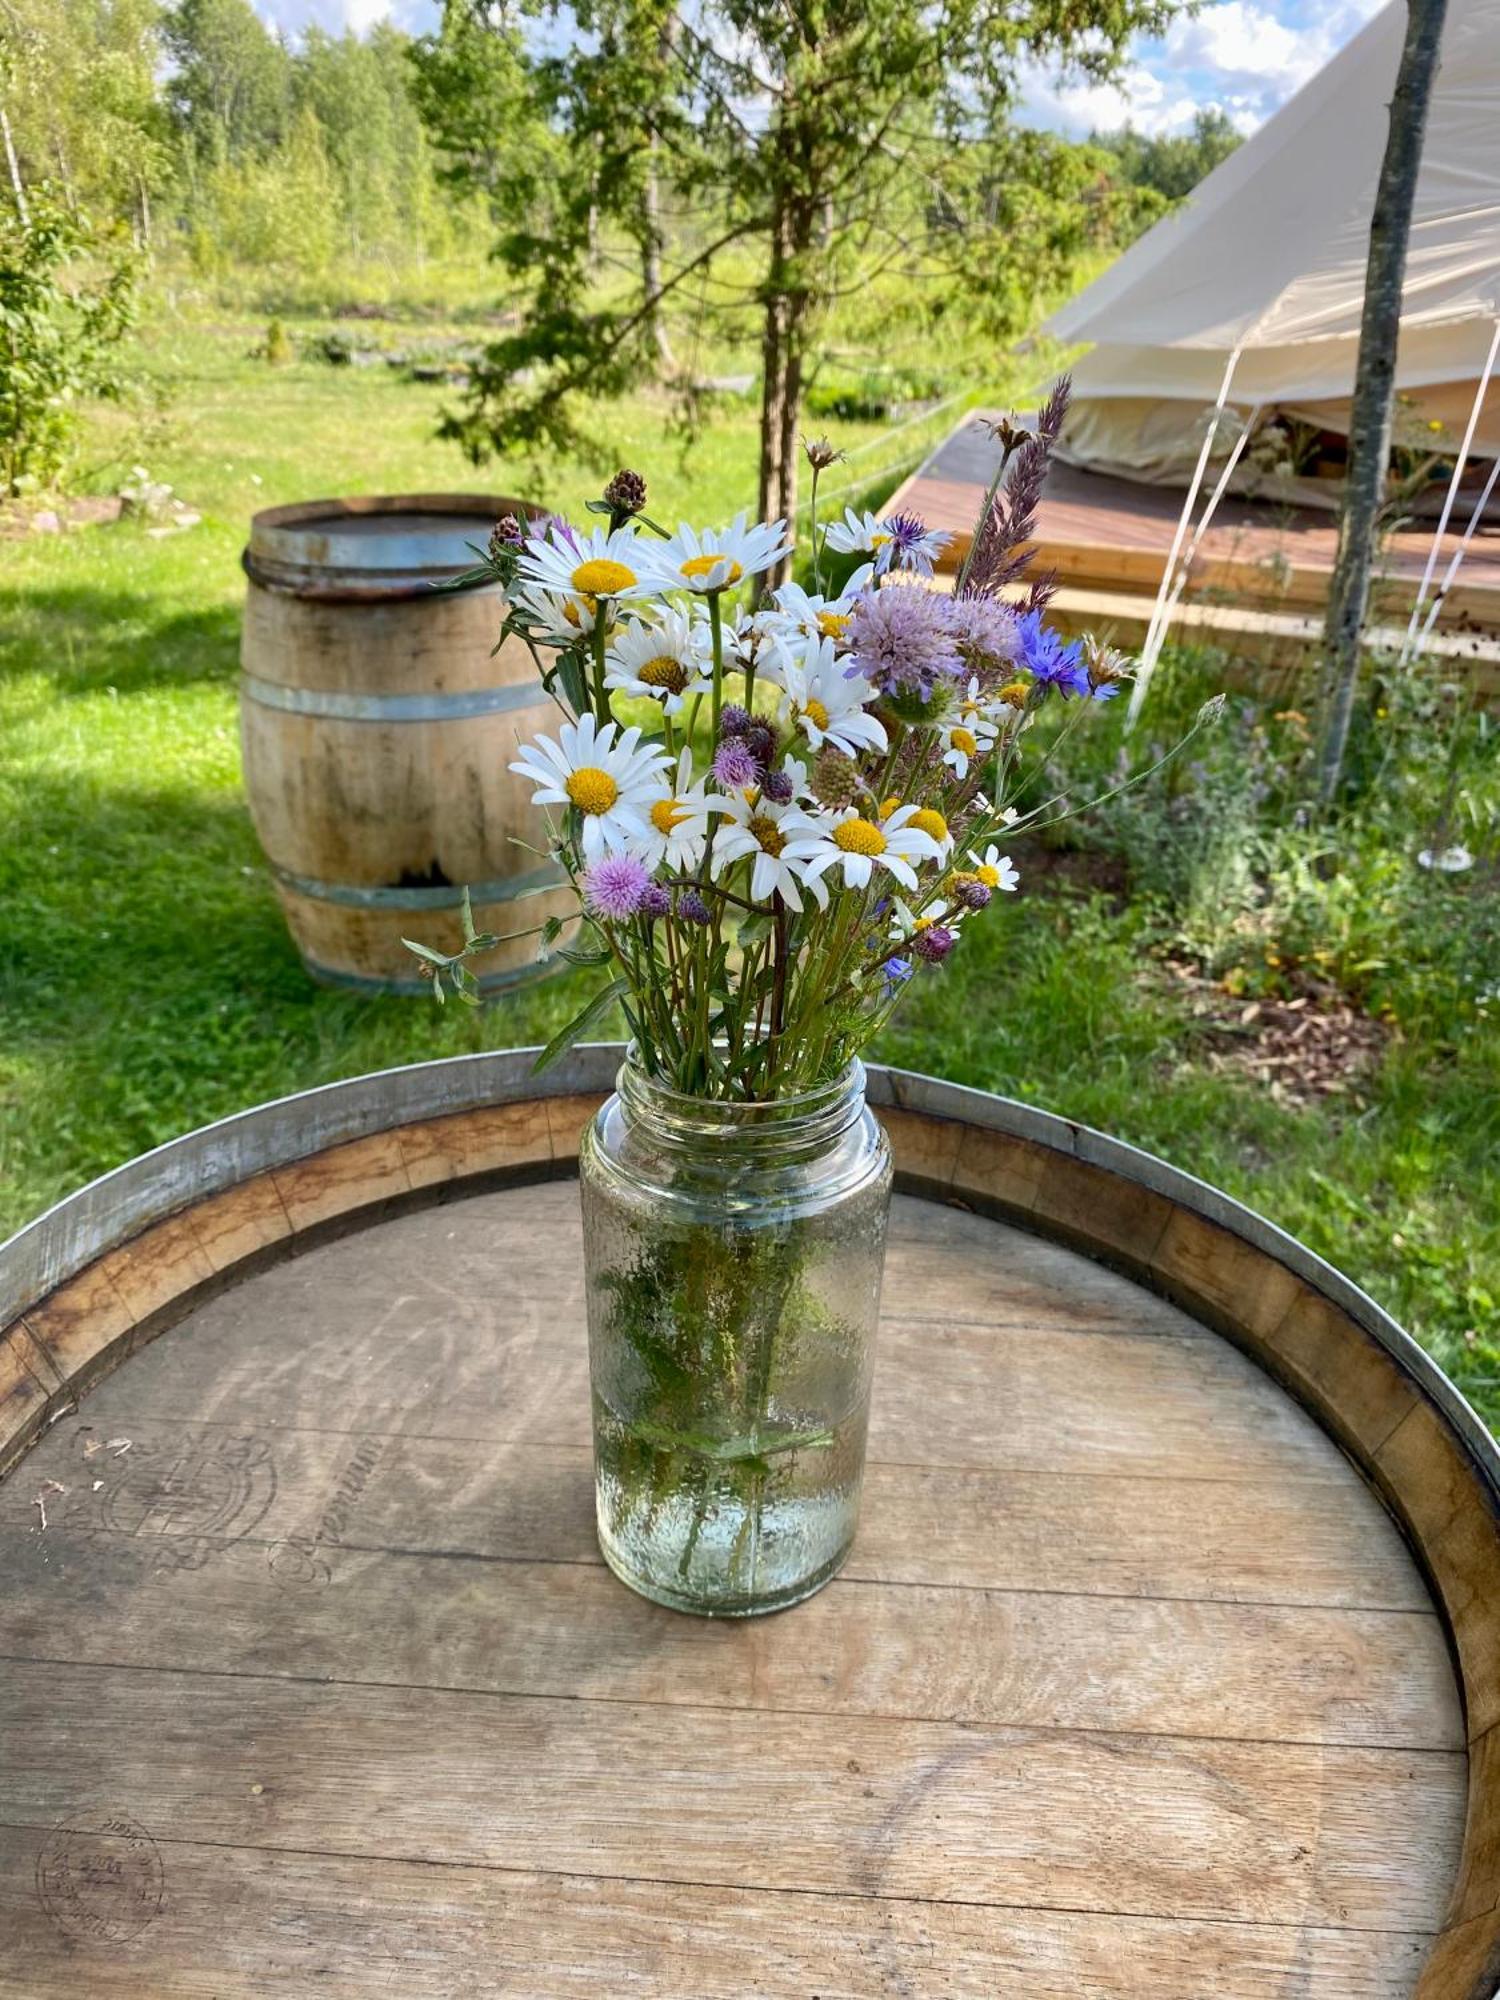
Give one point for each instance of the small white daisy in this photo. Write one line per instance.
(804, 616)
(612, 783)
(857, 846)
(971, 734)
(563, 618)
(756, 643)
(993, 868)
(824, 705)
(905, 923)
(595, 564)
(669, 661)
(677, 821)
(717, 559)
(760, 831)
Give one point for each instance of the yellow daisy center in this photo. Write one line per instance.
(815, 712)
(879, 541)
(574, 616)
(602, 578)
(928, 821)
(667, 814)
(859, 836)
(701, 565)
(990, 877)
(664, 672)
(887, 807)
(768, 835)
(965, 740)
(1013, 694)
(833, 624)
(592, 790)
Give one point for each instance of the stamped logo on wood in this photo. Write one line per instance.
(101, 1879)
(185, 1497)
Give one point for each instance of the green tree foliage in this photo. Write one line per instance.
(230, 87)
(66, 300)
(1171, 166)
(738, 154)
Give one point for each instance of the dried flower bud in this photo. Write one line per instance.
(655, 902)
(692, 909)
(778, 787)
(760, 741)
(1006, 431)
(971, 892)
(507, 538)
(821, 454)
(835, 778)
(933, 943)
(626, 493)
(1105, 664)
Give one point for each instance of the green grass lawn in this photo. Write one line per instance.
(147, 983)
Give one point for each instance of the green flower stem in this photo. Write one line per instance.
(716, 633)
(601, 692)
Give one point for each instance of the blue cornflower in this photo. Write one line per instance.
(1049, 662)
(896, 972)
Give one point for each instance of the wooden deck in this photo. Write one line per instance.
(1257, 582)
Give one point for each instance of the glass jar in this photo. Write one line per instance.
(733, 1258)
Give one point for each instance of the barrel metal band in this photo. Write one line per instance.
(447, 896)
(389, 707)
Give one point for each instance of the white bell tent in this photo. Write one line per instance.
(1246, 301)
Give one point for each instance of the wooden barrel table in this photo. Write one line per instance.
(1165, 1663)
(378, 722)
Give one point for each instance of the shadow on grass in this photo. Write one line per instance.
(85, 638)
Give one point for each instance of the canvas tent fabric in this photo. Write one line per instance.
(1265, 264)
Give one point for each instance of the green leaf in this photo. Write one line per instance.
(426, 951)
(597, 1008)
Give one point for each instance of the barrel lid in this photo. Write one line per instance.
(373, 545)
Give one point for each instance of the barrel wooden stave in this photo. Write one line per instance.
(1130, 1682)
(376, 737)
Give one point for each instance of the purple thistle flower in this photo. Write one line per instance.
(733, 720)
(616, 886)
(900, 640)
(985, 630)
(1050, 663)
(974, 895)
(934, 943)
(760, 741)
(692, 908)
(778, 787)
(655, 902)
(734, 767)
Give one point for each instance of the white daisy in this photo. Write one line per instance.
(905, 923)
(592, 564)
(669, 661)
(926, 819)
(901, 542)
(677, 821)
(993, 868)
(612, 783)
(755, 643)
(807, 617)
(971, 734)
(826, 707)
(718, 558)
(761, 831)
(857, 846)
(562, 617)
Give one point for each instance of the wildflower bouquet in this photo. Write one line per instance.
(777, 815)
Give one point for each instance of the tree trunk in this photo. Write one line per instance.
(788, 310)
(17, 185)
(651, 263)
(1375, 380)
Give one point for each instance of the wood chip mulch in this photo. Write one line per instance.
(1302, 1051)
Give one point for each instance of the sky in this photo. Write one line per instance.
(1247, 56)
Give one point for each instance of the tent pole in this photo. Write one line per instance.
(1452, 493)
(1151, 648)
(1152, 652)
(1459, 553)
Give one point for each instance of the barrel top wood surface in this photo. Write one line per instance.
(1164, 1664)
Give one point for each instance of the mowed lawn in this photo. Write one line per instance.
(147, 983)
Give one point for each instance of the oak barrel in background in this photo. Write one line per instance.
(377, 731)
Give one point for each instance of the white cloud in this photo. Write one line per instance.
(1139, 97)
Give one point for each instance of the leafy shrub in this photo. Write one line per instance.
(67, 298)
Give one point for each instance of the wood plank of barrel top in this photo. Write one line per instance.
(377, 732)
(1131, 1683)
